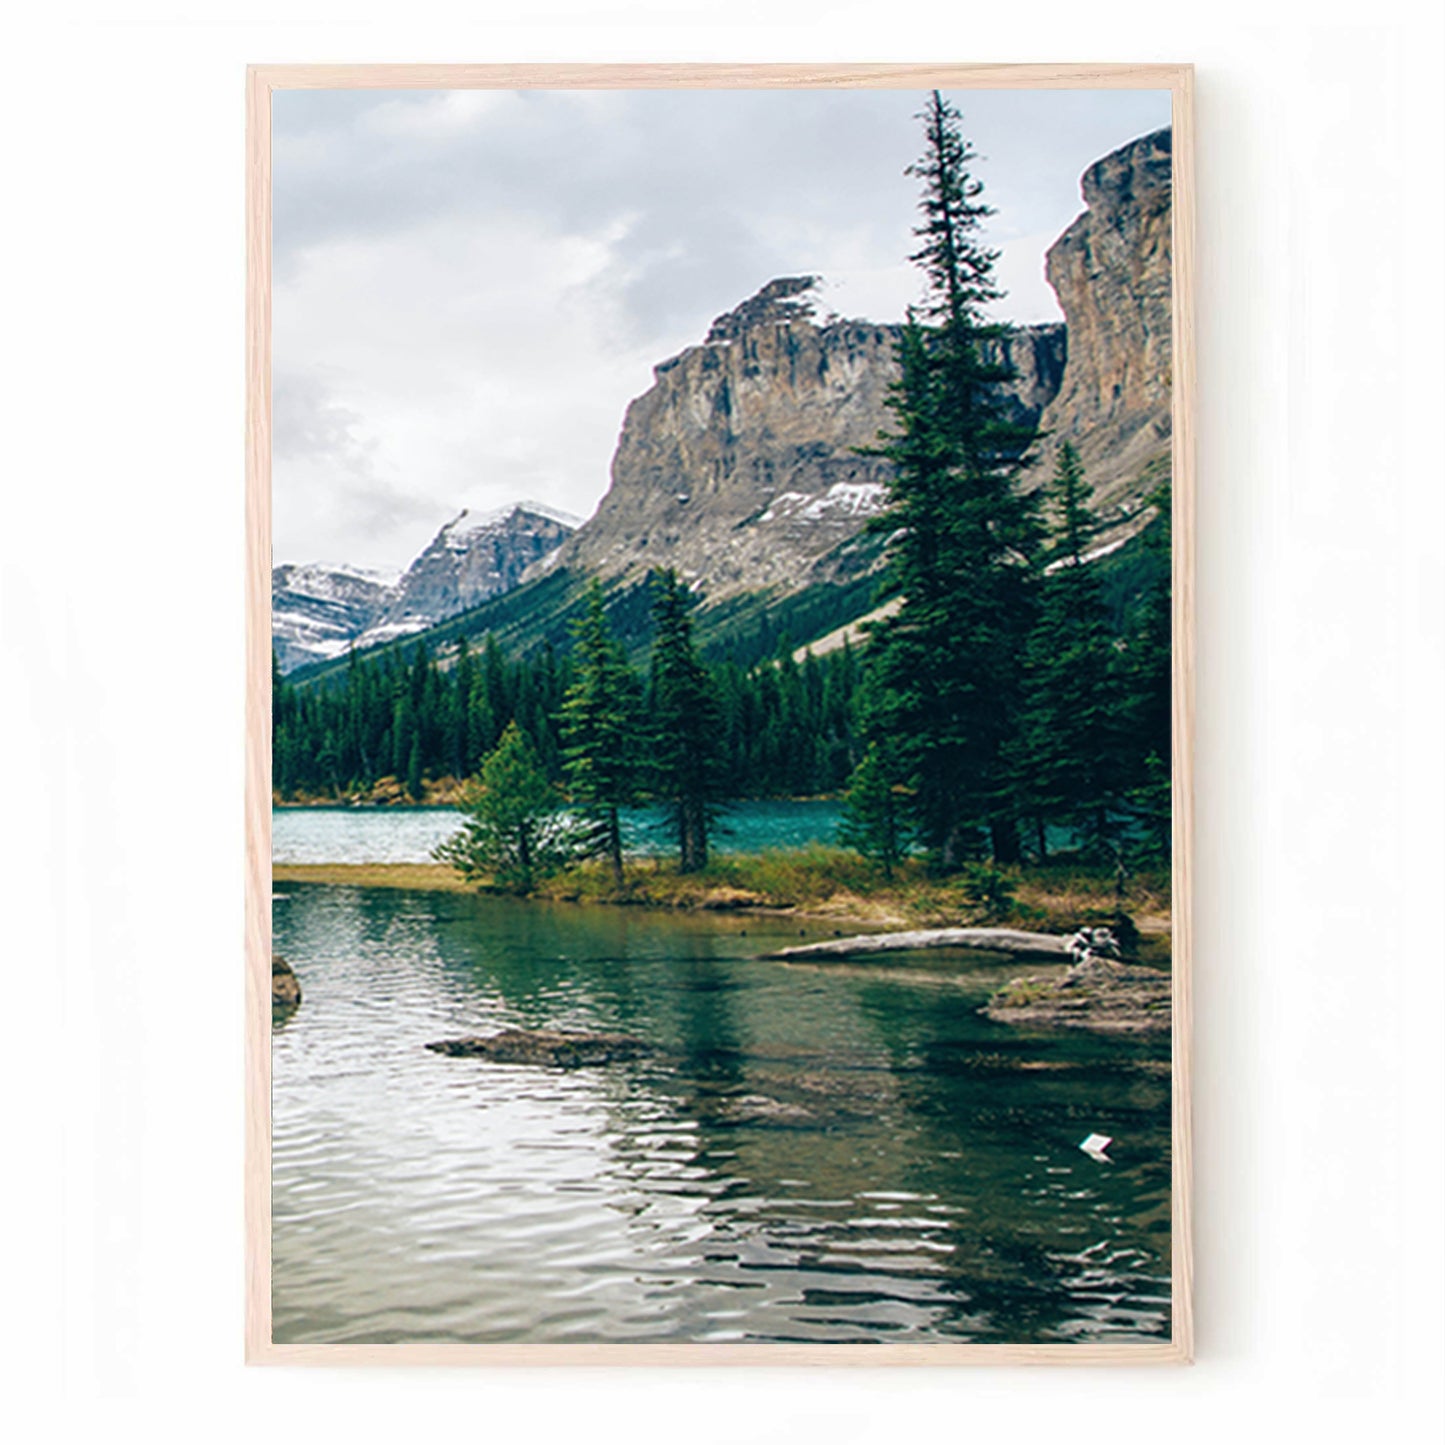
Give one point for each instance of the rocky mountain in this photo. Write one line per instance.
(477, 555)
(1112, 272)
(319, 612)
(740, 465)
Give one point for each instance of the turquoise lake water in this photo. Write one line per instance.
(407, 835)
(813, 1153)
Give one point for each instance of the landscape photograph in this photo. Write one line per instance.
(722, 725)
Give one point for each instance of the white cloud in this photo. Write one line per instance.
(461, 361)
(438, 115)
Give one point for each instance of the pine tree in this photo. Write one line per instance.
(872, 822)
(459, 700)
(600, 725)
(1069, 494)
(1068, 753)
(1151, 682)
(945, 668)
(514, 831)
(686, 722)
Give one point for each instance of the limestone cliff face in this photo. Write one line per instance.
(1112, 273)
(740, 468)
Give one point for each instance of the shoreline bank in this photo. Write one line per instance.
(827, 887)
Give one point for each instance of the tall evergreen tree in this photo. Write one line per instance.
(601, 726)
(1068, 754)
(686, 722)
(1151, 681)
(873, 823)
(946, 666)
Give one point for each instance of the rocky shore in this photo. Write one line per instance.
(551, 1047)
(285, 989)
(1098, 994)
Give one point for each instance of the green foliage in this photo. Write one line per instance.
(873, 822)
(785, 729)
(946, 668)
(413, 769)
(1068, 755)
(990, 892)
(1149, 659)
(683, 707)
(601, 725)
(1068, 497)
(514, 833)
(1152, 804)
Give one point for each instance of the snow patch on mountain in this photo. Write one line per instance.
(319, 611)
(842, 499)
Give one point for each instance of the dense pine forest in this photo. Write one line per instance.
(786, 728)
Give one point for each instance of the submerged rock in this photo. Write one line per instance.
(755, 1109)
(1095, 994)
(285, 987)
(550, 1047)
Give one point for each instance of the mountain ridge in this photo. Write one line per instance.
(320, 612)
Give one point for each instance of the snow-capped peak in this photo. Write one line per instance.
(473, 519)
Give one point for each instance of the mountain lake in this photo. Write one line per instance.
(840, 1152)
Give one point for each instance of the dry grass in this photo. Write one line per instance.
(816, 881)
(425, 877)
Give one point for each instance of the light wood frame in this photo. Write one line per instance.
(261, 82)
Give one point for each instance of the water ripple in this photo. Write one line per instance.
(788, 1167)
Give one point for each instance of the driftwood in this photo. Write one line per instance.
(1012, 941)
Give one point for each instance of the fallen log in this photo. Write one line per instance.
(1012, 941)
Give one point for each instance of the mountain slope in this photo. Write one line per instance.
(320, 612)
(477, 555)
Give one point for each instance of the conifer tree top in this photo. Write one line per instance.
(958, 267)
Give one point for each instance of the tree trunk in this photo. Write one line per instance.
(1004, 836)
(693, 832)
(524, 857)
(614, 847)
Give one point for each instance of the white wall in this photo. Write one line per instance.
(1319, 765)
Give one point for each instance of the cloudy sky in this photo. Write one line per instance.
(470, 286)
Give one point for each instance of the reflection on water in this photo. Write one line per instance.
(814, 1154)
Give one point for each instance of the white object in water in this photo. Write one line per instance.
(1095, 1145)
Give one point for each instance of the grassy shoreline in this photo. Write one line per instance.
(829, 884)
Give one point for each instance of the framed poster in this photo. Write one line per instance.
(718, 776)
